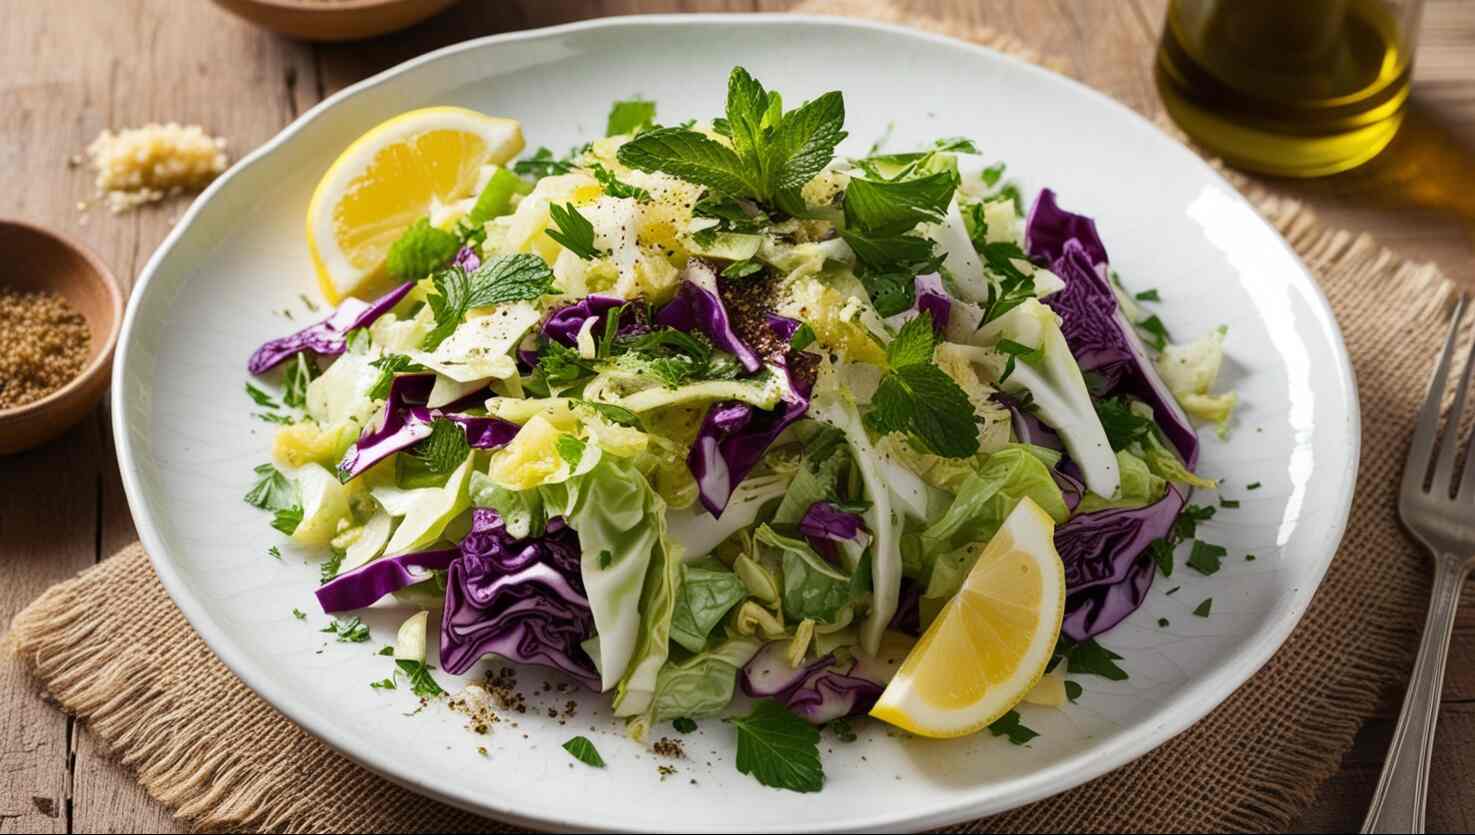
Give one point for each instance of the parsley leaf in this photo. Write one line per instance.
(629, 116)
(992, 174)
(1090, 658)
(1123, 426)
(299, 614)
(842, 729)
(389, 365)
(886, 208)
(561, 365)
(384, 684)
(583, 750)
(300, 371)
(574, 231)
(506, 278)
(275, 553)
(615, 187)
(422, 683)
(1186, 525)
(419, 251)
(1203, 608)
(778, 749)
(1073, 690)
(1162, 553)
(262, 398)
(1010, 725)
(276, 493)
(1015, 286)
(351, 631)
(541, 164)
(1156, 330)
(1205, 558)
(330, 567)
(443, 450)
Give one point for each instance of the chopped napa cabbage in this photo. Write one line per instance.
(306, 442)
(1190, 371)
(394, 335)
(698, 687)
(1057, 388)
(757, 579)
(409, 641)
(812, 590)
(524, 229)
(521, 510)
(837, 409)
(960, 259)
(1140, 486)
(426, 511)
(481, 346)
(820, 306)
(707, 593)
(533, 458)
(342, 391)
(695, 528)
(558, 411)
(368, 541)
(447, 391)
(325, 503)
(763, 391)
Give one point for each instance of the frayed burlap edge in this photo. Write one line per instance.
(139, 698)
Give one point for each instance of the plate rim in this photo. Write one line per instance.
(1189, 706)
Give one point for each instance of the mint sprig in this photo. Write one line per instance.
(419, 251)
(917, 397)
(506, 278)
(773, 153)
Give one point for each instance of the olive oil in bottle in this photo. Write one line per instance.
(1299, 88)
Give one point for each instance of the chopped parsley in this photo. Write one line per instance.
(803, 337)
(389, 365)
(298, 613)
(1014, 287)
(574, 231)
(331, 565)
(351, 631)
(917, 397)
(1162, 623)
(422, 683)
(300, 371)
(629, 116)
(275, 553)
(778, 749)
(1123, 426)
(541, 164)
(1204, 607)
(1156, 331)
(278, 494)
(1229, 503)
(842, 730)
(262, 398)
(1254, 485)
(1073, 690)
(1186, 525)
(581, 749)
(684, 725)
(1090, 658)
(274, 417)
(1017, 353)
(615, 187)
(1171, 591)
(1205, 558)
(742, 269)
(1148, 296)
(612, 413)
(993, 173)
(1010, 725)
(384, 684)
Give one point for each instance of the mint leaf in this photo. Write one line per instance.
(1205, 558)
(913, 344)
(804, 142)
(778, 749)
(574, 231)
(422, 683)
(907, 254)
(443, 450)
(892, 208)
(629, 116)
(614, 187)
(691, 156)
(1010, 725)
(262, 398)
(506, 278)
(419, 251)
(583, 750)
(942, 415)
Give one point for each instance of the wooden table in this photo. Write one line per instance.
(70, 69)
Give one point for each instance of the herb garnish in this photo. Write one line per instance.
(778, 749)
(1090, 658)
(262, 398)
(419, 251)
(583, 750)
(684, 725)
(300, 371)
(506, 278)
(541, 164)
(574, 231)
(1205, 558)
(389, 365)
(1204, 607)
(917, 397)
(615, 187)
(1010, 725)
(276, 493)
(351, 631)
(629, 116)
(422, 683)
(330, 567)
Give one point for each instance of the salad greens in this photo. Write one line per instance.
(704, 406)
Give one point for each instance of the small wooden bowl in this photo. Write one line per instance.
(334, 20)
(38, 259)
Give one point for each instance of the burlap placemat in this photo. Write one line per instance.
(209, 748)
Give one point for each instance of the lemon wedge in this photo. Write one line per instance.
(990, 644)
(391, 177)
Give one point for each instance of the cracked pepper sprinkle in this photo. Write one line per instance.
(43, 344)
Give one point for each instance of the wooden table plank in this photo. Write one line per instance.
(131, 61)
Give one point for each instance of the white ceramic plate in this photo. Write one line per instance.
(186, 441)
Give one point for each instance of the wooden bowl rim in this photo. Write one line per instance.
(329, 8)
(105, 356)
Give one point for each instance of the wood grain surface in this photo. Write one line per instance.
(70, 69)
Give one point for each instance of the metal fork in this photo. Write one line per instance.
(1441, 516)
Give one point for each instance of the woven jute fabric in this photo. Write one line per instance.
(209, 748)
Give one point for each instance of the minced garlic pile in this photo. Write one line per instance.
(144, 165)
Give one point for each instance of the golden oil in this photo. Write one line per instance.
(1298, 88)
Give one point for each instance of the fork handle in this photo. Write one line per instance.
(1398, 804)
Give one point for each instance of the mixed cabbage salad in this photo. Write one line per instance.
(707, 408)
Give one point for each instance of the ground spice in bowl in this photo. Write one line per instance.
(44, 342)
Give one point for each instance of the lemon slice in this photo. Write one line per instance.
(989, 645)
(391, 177)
